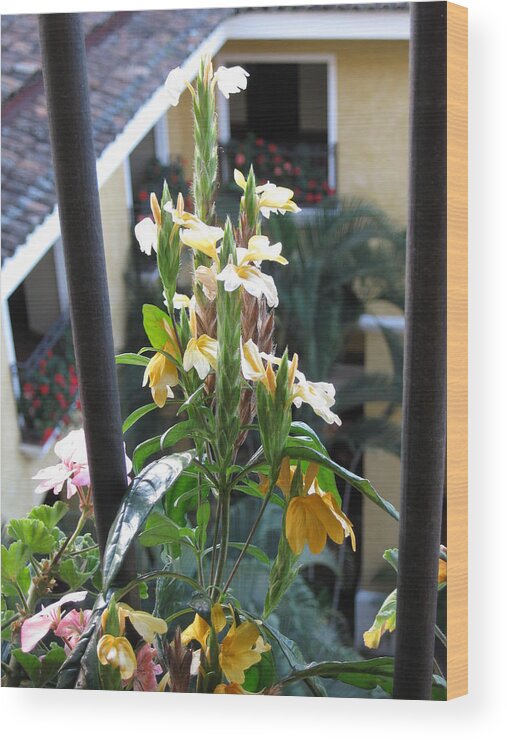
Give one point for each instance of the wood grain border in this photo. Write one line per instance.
(457, 354)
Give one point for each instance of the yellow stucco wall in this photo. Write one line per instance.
(17, 467)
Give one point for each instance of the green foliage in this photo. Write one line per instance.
(41, 671)
(33, 534)
(14, 560)
(49, 515)
(143, 494)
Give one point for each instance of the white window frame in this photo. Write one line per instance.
(224, 120)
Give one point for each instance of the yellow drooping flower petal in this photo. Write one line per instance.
(202, 238)
(199, 631)
(311, 518)
(274, 199)
(240, 650)
(143, 622)
(162, 375)
(118, 653)
(218, 619)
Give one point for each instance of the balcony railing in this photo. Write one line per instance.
(308, 168)
(48, 384)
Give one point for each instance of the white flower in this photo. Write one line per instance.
(207, 276)
(231, 79)
(320, 396)
(180, 300)
(147, 235)
(174, 85)
(259, 249)
(275, 199)
(201, 352)
(252, 280)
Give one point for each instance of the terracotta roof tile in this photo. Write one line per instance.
(128, 57)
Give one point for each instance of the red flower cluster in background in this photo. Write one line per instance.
(302, 167)
(49, 392)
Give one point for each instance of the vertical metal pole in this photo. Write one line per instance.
(424, 403)
(70, 126)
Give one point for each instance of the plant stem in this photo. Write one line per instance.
(224, 540)
(218, 515)
(248, 539)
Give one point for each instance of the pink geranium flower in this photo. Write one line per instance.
(71, 627)
(144, 678)
(73, 468)
(48, 618)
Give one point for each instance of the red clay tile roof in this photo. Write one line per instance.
(129, 55)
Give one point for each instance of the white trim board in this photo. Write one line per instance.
(381, 25)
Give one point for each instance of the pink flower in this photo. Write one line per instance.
(71, 627)
(72, 469)
(240, 159)
(35, 628)
(144, 678)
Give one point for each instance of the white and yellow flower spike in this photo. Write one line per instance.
(201, 352)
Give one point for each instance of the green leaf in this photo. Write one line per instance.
(181, 430)
(32, 533)
(130, 358)
(253, 550)
(262, 675)
(41, 670)
(291, 653)
(143, 451)
(365, 674)
(182, 496)
(72, 575)
(385, 621)
(302, 432)
(142, 495)
(49, 515)
(159, 530)
(14, 560)
(136, 415)
(153, 322)
(360, 484)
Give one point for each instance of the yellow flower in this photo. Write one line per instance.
(202, 238)
(313, 517)
(201, 352)
(118, 653)
(162, 374)
(143, 622)
(199, 629)
(241, 648)
(252, 366)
